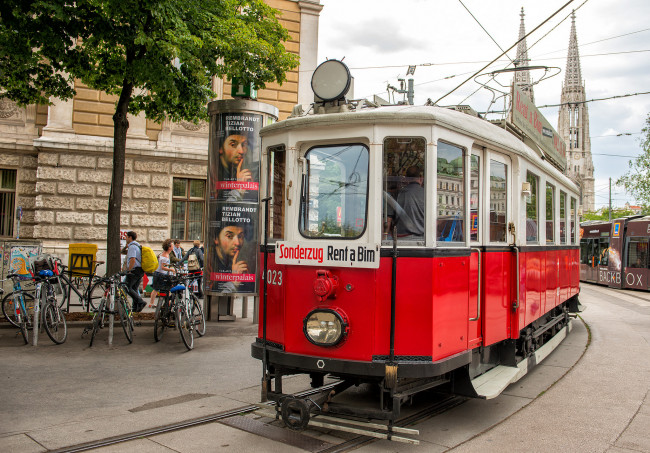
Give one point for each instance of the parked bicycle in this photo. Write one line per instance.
(18, 305)
(83, 286)
(179, 308)
(46, 309)
(113, 301)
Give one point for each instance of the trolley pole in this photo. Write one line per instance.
(265, 375)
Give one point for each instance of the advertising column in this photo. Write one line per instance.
(232, 239)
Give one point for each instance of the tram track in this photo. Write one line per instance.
(346, 445)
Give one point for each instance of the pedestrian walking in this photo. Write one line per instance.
(134, 268)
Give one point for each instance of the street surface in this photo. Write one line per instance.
(581, 398)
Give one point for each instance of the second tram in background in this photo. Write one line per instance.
(410, 248)
(616, 253)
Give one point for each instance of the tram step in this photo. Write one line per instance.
(490, 385)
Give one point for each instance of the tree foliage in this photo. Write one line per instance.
(158, 56)
(637, 180)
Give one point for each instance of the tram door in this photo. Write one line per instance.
(498, 272)
(474, 327)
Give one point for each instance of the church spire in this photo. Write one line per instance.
(573, 124)
(522, 78)
(573, 76)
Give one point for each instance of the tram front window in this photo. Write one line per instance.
(334, 192)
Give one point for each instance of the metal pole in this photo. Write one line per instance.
(37, 312)
(265, 377)
(111, 317)
(610, 199)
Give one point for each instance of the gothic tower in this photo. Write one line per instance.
(522, 78)
(573, 125)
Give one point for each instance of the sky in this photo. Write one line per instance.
(379, 39)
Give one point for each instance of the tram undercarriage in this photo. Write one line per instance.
(483, 372)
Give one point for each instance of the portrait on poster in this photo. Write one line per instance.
(231, 258)
(235, 159)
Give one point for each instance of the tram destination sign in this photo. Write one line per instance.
(330, 254)
(526, 117)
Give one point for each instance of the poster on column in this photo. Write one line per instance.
(231, 264)
(235, 165)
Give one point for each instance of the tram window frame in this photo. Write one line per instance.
(550, 209)
(306, 200)
(502, 230)
(448, 234)
(532, 204)
(275, 187)
(563, 218)
(629, 256)
(475, 216)
(574, 222)
(603, 245)
(395, 147)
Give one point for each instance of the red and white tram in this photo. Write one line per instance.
(410, 247)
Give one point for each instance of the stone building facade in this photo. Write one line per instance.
(56, 161)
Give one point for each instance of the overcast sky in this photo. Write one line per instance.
(380, 38)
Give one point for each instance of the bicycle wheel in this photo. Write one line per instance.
(94, 296)
(22, 322)
(98, 320)
(185, 327)
(9, 306)
(160, 318)
(198, 320)
(124, 313)
(54, 322)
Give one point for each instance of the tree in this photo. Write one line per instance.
(637, 180)
(158, 56)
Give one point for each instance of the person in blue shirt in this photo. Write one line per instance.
(134, 268)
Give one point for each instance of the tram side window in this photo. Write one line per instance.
(573, 220)
(562, 217)
(474, 198)
(403, 204)
(637, 252)
(451, 216)
(498, 201)
(531, 210)
(585, 249)
(334, 192)
(550, 214)
(603, 251)
(276, 177)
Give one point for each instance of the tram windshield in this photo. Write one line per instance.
(334, 192)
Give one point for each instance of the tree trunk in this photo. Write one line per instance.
(120, 127)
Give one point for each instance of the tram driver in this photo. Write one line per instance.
(410, 217)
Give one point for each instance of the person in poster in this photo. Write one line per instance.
(235, 166)
(232, 261)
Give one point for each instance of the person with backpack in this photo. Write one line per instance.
(134, 268)
(194, 258)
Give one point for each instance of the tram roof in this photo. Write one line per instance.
(460, 122)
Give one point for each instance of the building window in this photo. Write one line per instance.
(188, 206)
(7, 202)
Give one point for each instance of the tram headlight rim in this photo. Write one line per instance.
(338, 317)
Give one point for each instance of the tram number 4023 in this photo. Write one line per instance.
(274, 277)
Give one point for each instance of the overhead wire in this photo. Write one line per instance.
(510, 48)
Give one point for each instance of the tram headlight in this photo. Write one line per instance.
(325, 327)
